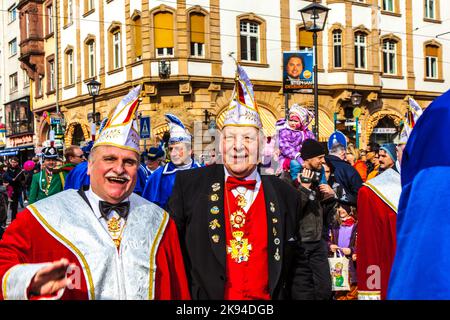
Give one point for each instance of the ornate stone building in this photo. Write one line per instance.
(179, 51)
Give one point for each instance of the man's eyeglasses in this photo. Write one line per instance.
(81, 157)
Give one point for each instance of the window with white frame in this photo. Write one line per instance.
(12, 47)
(91, 58)
(26, 79)
(116, 50)
(70, 11)
(70, 69)
(249, 36)
(50, 19)
(388, 5)
(197, 25)
(51, 69)
(39, 84)
(430, 9)
(89, 5)
(12, 13)
(13, 84)
(337, 49)
(389, 57)
(360, 50)
(431, 61)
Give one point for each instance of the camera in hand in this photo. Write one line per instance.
(315, 179)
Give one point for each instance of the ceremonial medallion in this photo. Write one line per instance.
(214, 197)
(241, 201)
(214, 224)
(215, 238)
(215, 210)
(272, 207)
(237, 219)
(239, 249)
(216, 186)
(276, 241)
(274, 220)
(277, 255)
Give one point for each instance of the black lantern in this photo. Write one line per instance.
(314, 16)
(164, 69)
(94, 90)
(356, 99)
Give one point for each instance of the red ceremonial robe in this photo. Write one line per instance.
(248, 279)
(26, 241)
(376, 237)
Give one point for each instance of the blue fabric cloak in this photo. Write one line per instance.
(159, 186)
(422, 262)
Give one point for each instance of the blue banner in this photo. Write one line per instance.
(298, 71)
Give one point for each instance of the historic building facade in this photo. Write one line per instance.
(16, 130)
(385, 50)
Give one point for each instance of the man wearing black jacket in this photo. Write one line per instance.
(319, 202)
(14, 176)
(345, 174)
(238, 229)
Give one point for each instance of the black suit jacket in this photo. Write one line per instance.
(198, 199)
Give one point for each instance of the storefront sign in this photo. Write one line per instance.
(18, 141)
(384, 130)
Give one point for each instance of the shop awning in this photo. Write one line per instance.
(15, 150)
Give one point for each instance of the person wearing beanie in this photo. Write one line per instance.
(388, 156)
(319, 200)
(377, 206)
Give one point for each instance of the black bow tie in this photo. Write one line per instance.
(121, 208)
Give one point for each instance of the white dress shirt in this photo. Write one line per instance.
(94, 201)
(249, 195)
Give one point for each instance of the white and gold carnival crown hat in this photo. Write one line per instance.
(121, 129)
(178, 132)
(242, 111)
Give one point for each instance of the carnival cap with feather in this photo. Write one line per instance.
(121, 128)
(242, 111)
(178, 132)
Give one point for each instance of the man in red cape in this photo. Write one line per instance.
(100, 243)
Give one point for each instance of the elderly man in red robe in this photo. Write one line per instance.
(101, 243)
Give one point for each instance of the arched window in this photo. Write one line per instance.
(89, 54)
(389, 56)
(337, 48)
(115, 46)
(197, 34)
(137, 37)
(70, 67)
(432, 53)
(305, 39)
(360, 50)
(163, 34)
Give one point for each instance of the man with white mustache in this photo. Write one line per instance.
(100, 243)
(158, 188)
(238, 229)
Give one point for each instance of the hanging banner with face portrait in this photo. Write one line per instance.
(298, 71)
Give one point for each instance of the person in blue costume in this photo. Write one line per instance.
(158, 188)
(421, 265)
(78, 176)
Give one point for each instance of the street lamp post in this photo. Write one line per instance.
(356, 99)
(94, 89)
(314, 18)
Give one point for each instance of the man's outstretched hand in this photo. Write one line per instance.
(50, 279)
